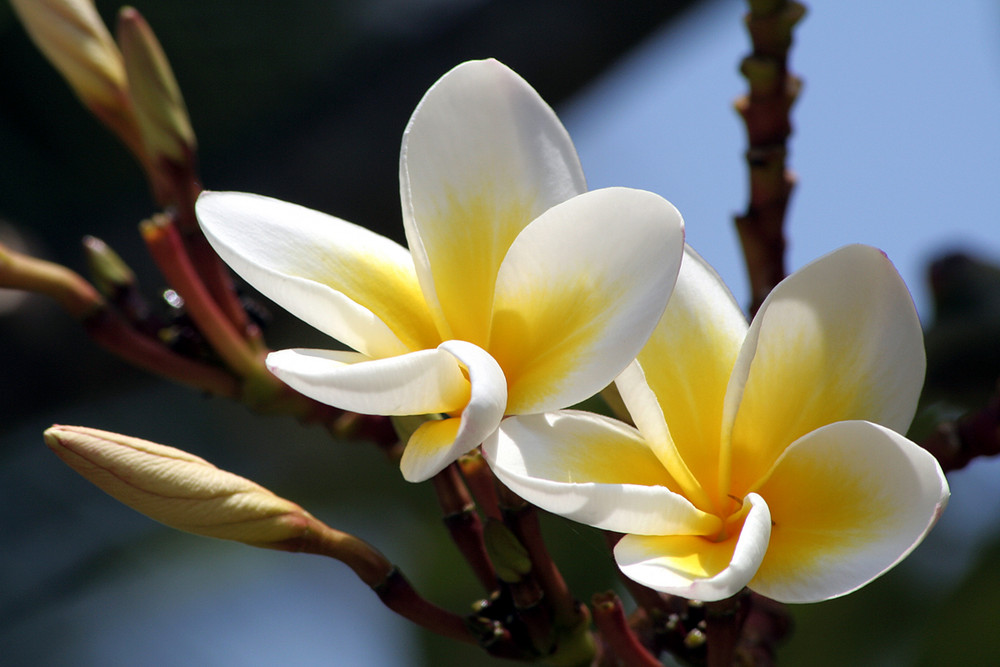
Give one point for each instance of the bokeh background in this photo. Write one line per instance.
(897, 145)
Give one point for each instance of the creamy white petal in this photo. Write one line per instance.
(593, 470)
(352, 284)
(573, 307)
(837, 340)
(695, 567)
(423, 382)
(482, 156)
(848, 501)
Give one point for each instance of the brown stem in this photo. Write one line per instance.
(724, 623)
(955, 443)
(73, 293)
(522, 519)
(481, 483)
(111, 332)
(83, 302)
(383, 577)
(464, 524)
(609, 617)
(183, 190)
(166, 247)
(765, 111)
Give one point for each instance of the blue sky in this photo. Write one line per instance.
(897, 133)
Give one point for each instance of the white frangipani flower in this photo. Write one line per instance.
(767, 456)
(521, 293)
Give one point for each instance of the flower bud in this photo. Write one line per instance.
(179, 489)
(72, 36)
(108, 270)
(156, 97)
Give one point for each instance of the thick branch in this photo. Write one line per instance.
(765, 111)
(955, 443)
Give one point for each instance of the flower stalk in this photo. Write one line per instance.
(624, 645)
(464, 524)
(167, 249)
(105, 326)
(724, 620)
(522, 519)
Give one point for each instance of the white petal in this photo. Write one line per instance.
(694, 567)
(423, 382)
(849, 501)
(837, 340)
(593, 470)
(482, 156)
(437, 443)
(346, 281)
(572, 308)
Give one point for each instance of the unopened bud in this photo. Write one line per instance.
(109, 271)
(72, 36)
(179, 489)
(156, 97)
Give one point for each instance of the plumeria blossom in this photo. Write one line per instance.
(767, 456)
(520, 293)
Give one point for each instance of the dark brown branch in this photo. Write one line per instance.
(955, 443)
(765, 111)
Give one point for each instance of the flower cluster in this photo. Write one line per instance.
(766, 455)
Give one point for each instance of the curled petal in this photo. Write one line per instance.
(178, 489)
(348, 282)
(437, 443)
(698, 568)
(593, 470)
(571, 309)
(483, 155)
(837, 340)
(849, 501)
(423, 382)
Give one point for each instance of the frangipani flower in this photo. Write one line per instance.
(768, 456)
(521, 293)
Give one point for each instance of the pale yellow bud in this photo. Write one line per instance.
(156, 97)
(179, 489)
(72, 36)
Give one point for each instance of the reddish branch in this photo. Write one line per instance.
(464, 524)
(765, 110)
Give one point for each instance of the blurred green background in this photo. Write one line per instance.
(306, 101)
